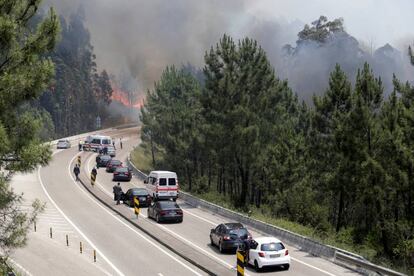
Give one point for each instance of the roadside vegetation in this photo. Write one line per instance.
(339, 169)
(25, 71)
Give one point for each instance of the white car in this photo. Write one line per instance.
(63, 144)
(269, 252)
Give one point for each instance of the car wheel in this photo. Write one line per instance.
(211, 241)
(157, 218)
(221, 249)
(180, 220)
(256, 266)
(286, 266)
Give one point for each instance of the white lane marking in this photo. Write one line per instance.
(128, 226)
(160, 274)
(77, 229)
(314, 267)
(26, 272)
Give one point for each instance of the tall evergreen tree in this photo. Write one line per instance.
(24, 74)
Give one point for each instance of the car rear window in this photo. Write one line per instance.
(96, 141)
(122, 169)
(140, 192)
(106, 141)
(168, 204)
(115, 162)
(163, 182)
(171, 181)
(273, 246)
(240, 232)
(62, 141)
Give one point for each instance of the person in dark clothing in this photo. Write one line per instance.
(105, 150)
(80, 146)
(120, 142)
(117, 193)
(94, 171)
(76, 171)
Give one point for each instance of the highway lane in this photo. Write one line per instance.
(197, 224)
(127, 251)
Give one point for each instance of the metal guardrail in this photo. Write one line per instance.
(337, 255)
(364, 265)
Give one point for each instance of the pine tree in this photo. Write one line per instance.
(24, 74)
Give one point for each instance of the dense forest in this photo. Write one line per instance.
(79, 93)
(342, 164)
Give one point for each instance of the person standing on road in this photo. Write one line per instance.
(120, 142)
(76, 171)
(80, 145)
(117, 193)
(94, 171)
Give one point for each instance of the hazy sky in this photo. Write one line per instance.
(379, 21)
(141, 37)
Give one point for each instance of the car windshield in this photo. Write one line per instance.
(61, 141)
(142, 192)
(106, 141)
(168, 205)
(273, 246)
(240, 232)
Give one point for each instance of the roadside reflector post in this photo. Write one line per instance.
(51, 234)
(93, 178)
(34, 226)
(80, 247)
(67, 240)
(79, 161)
(240, 262)
(136, 206)
(94, 256)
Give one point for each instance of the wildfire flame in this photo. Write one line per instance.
(122, 97)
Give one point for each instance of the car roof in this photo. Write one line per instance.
(233, 225)
(262, 240)
(122, 168)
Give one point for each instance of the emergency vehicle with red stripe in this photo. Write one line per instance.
(162, 185)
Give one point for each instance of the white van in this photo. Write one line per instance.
(162, 185)
(97, 142)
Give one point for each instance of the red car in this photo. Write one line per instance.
(112, 165)
(122, 174)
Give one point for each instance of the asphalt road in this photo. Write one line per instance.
(195, 229)
(121, 248)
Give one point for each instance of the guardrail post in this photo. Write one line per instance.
(67, 240)
(51, 234)
(240, 262)
(34, 226)
(136, 206)
(94, 256)
(80, 247)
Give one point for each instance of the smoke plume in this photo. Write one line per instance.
(142, 37)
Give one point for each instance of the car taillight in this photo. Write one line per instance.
(249, 236)
(179, 212)
(286, 252)
(261, 254)
(163, 213)
(226, 238)
(116, 173)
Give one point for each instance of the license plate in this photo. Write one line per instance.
(142, 199)
(172, 213)
(172, 193)
(275, 256)
(121, 174)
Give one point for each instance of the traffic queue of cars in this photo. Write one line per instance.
(160, 194)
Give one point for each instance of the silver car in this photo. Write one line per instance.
(63, 144)
(111, 151)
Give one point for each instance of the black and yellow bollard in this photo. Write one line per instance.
(67, 240)
(34, 226)
(136, 206)
(94, 256)
(51, 233)
(79, 161)
(80, 247)
(93, 179)
(240, 262)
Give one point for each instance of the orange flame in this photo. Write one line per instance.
(122, 97)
